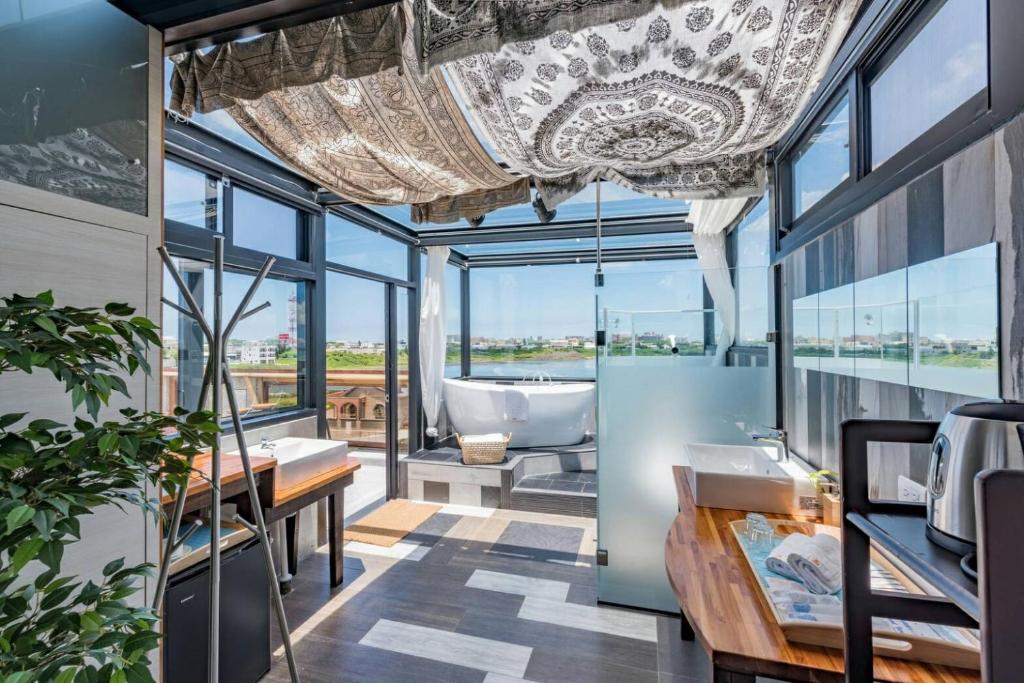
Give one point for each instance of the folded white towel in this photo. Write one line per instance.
(815, 561)
(483, 438)
(777, 560)
(517, 405)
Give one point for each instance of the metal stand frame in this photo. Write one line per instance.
(218, 374)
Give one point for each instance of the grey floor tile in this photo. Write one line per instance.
(564, 666)
(518, 584)
(678, 657)
(608, 620)
(451, 648)
(610, 649)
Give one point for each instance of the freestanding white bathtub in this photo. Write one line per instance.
(559, 414)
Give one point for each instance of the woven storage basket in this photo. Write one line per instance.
(481, 452)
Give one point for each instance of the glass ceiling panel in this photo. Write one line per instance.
(668, 239)
(616, 202)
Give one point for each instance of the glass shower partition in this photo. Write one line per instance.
(658, 390)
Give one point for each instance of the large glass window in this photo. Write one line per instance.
(530, 321)
(753, 290)
(266, 352)
(74, 101)
(942, 67)
(453, 314)
(191, 197)
(264, 225)
(353, 245)
(822, 162)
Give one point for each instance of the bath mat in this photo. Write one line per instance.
(390, 523)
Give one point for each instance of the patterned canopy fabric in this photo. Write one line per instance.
(391, 137)
(447, 30)
(350, 46)
(680, 102)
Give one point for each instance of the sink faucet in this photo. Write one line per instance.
(776, 436)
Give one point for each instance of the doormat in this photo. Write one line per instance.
(391, 522)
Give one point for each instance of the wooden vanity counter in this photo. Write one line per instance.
(720, 601)
(276, 503)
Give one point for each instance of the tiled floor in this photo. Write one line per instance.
(570, 482)
(474, 596)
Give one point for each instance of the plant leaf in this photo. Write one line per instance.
(18, 516)
(10, 418)
(47, 324)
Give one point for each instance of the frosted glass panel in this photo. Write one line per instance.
(651, 402)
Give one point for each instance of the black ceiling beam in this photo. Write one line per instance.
(201, 23)
(583, 256)
(641, 225)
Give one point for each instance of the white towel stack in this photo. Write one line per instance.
(517, 406)
(815, 561)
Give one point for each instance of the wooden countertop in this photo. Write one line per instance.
(230, 472)
(718, 595)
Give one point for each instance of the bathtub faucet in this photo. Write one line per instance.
(775, 436)
(541, 376)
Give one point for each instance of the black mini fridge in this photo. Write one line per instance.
(244, 619)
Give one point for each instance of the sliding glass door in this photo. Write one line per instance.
(367, 399)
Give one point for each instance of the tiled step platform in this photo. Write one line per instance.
(561, 480)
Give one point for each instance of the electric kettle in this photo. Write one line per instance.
(971, 438)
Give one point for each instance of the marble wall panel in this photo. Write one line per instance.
(925, 226)
(968, 200)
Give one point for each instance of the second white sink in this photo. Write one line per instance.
(748, 478)
(299, 459)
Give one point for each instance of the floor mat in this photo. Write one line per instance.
(390, 523)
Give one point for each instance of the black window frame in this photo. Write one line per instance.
(194, 243)
(880, 58)
(881, 28)
(785, 171)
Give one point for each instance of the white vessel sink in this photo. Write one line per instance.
(748, 478)
(299, 460)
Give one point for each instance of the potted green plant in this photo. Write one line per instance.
(54, 626)
(826, 482)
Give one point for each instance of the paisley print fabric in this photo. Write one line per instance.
(471, 204)
(680, 102)
(391, 137)
(350, 46)
(453, 29)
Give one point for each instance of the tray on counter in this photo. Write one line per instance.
(197, 547)
(818, 620)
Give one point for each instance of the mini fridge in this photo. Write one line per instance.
(244, 619)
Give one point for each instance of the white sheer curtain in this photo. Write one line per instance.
(711, 219)
(432, 335)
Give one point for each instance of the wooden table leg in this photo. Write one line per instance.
(685, 630)
(336, 532)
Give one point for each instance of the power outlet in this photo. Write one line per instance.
(909, 491)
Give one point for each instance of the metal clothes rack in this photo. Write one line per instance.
(218, 374)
